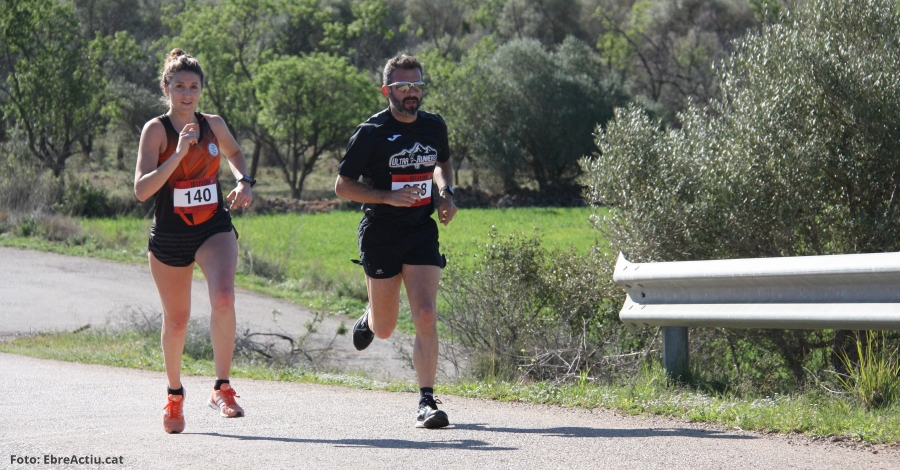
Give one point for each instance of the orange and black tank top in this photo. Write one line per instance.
(192, 195)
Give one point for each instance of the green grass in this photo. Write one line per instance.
(815, 413)
(308, 255)
(305, 258)
(322, 245)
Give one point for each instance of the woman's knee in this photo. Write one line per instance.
(221, 298)
(176, 324)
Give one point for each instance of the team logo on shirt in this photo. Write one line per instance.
(417, 156)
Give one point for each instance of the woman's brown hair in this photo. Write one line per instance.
(178, 61)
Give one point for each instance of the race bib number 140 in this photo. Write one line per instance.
(421, 181)
(195, 196)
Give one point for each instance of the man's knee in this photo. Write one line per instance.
(425, 318)
(383, 332)
(383, 329)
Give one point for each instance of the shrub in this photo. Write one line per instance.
(24, 187)
(82, 199)
(518, 309)
(800, 157)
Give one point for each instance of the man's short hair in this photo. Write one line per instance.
(402, 61)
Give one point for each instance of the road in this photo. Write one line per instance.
(63, 409)
(49, 292)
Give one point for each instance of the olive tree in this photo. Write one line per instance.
(801, 156)
(537, 110)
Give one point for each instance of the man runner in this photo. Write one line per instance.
(403, 156)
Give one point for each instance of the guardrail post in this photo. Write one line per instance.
(675, 351)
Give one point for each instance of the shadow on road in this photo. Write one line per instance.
(471, 444)
(468, 444)
(594, 432)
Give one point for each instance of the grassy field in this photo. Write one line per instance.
(305, 258)
(304, 246)
(323, 244)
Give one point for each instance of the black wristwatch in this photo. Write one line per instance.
(247, 179)
(449, 189)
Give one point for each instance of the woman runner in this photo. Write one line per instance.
(178, 164)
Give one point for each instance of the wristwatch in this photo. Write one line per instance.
(247, 179)
(449, 190)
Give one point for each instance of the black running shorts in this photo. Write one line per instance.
(178, 249)
(385, 246)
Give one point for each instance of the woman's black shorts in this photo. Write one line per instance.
(179, 249)
(385, 246)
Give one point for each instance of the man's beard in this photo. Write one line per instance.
(409, 106)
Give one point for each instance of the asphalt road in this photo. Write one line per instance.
(49, 292)
(60, 409)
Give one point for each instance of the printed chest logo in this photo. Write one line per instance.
(417, 156)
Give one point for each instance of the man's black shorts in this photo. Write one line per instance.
(178, 249)
(385, 246)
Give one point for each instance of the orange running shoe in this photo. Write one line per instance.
(223, 401)
(173, 417)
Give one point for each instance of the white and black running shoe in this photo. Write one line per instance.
(362, 334)
(429, 416)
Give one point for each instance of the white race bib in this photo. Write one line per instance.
(195, 196)
(421, 181)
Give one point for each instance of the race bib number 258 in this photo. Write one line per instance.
(197, 195)
(421, 181)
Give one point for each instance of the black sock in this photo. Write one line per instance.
(219, 383)
(180, 391)
(425, 391)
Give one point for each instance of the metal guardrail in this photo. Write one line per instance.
(848, 292)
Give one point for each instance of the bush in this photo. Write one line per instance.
(518, 309)
(82, 199)
(24, 187)
(799, 158)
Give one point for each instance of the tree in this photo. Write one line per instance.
(538, 110)
(453, 90)
(367, 32)
(54, 90)
(441, 22)
(799, 157)
(665, 50)
(310, 106)
(232, 41)
(549, 21)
